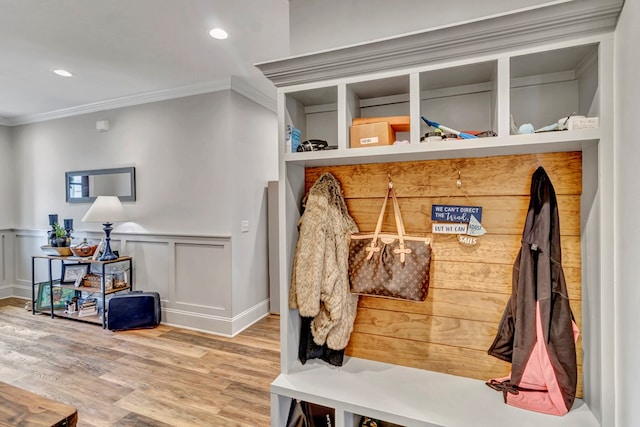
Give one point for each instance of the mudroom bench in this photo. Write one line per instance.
(409, 397)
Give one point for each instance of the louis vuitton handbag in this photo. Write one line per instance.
(390, 265)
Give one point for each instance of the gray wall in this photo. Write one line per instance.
(202, 165)
(254, 156)
(627, 206)
(180, 149)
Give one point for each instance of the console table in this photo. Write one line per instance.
(55, 286)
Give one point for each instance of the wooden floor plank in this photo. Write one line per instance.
(158, 377)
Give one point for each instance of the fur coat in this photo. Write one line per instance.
(320, 278)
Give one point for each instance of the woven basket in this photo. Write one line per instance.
(92, 281)
(95, 281)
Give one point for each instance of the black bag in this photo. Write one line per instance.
(134, 310)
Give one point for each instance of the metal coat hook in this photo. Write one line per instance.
(459, 181)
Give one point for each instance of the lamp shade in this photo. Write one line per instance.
(106, 209)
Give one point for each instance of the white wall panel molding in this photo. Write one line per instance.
(25, 244)
(192, 274)
(6, 240)
(204, 272)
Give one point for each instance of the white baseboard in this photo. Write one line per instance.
(218, 325)
(6, 291)
(18, 291)
(250, 316)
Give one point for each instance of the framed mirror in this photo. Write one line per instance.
(85, 186)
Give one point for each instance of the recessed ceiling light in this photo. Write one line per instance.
(63, 73)
(218, 33)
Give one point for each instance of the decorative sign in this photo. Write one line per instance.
(449, 228)
(475, 228)
(467, 240)
(461, 220)
(450, 213)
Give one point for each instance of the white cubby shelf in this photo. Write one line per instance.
(536, 65)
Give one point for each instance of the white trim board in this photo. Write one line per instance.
(549, 22)
(236, 84)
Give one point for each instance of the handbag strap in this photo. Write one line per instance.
(402, 250)
(373, 247)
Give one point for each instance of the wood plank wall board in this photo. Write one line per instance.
(451, 331)
(496, 249)
(498, 212)
(481, 306)
(434, 357)
(485, 277)
(509, 175)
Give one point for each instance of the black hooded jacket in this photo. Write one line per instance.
(538, 278)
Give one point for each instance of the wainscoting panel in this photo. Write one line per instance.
(192, 274)
(203, 270)
(150, 266)
(177, 266)
(6, 237)
(26, 244)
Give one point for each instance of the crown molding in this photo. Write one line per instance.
(587, 62)
(125, 101)
(242, 87)
(555, 21)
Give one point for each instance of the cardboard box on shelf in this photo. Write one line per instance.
(374, 131)
(398, 123)
(582, 123)
(372, 134)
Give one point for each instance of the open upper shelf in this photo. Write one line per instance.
(497, 95)
(548, 142)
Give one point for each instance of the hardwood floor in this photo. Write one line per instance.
(165, 376)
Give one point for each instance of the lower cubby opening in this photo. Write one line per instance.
(302, 413)
(366, 421)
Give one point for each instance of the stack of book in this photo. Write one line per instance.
(87, 307)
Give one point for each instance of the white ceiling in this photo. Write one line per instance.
(129, 50)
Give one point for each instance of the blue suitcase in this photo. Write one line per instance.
(134, 310)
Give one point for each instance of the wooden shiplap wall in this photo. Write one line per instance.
(451, 331)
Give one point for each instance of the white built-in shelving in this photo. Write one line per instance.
(535, 65)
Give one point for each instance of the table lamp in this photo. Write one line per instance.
(107, 210)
